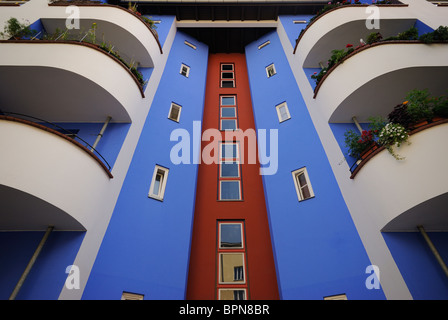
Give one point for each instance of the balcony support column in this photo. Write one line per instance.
(433, 250)
(357, 124)
(100, 135)
(30, 263)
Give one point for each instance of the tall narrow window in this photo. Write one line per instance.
(282, 112)
(270, 70)
(228, 114)
(184, 70)
(174, 113)
(229, 181)
(227, 77)
(231, 255)
(302, 184)
(158, 183)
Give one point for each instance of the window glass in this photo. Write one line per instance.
(227, 75)
(229, 150)
(228, 124)
(228, 112)
(230, 235)
(230, 190)
(227, 84)
(228, 101)
(231, 268)
(227, 67)
(230, 169)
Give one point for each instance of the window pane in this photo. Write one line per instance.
(227, 75)
(227, 101)
(305, 192)
(231, 268)
(157, 183)
(229, 169)
(227, 67)
(301, 178)
(227, 112)
(228, 124)
(174, 112)
(232, 294)
(230, 190)
(229, 150)
(231, 235)
(227, 84)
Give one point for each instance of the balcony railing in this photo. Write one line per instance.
(61, 132)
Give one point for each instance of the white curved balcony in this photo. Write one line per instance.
(56, 77)
(347, 24)
(413, 191)
(129, 34)
(362, 85)
(46, 179)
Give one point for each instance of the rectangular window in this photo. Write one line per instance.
(158, 183)
(230, 190)
(131, 296)
(230, 235)
(282, 112)
(231, 268)
(270, 70)
(228, 114)
(232, 294)
(302, 184)
(229, 150)
(174, 113)
(264, 44)
(227, 77)
(184, 70)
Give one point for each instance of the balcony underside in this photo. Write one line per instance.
(56, 95)
(431, 214)
(379, 96)
(23, 211)
(350, 33)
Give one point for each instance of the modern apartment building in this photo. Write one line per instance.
(169, 150)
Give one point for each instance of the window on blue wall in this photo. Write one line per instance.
(270, 70)
(158, 183)
(174, 113)
(282, 112)
(185, 70)
(302, 184)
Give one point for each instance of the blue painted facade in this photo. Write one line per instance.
(317, 249)
(147, 244)
(47, 277)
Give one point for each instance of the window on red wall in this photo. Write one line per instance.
(232, 264)
(227, 77)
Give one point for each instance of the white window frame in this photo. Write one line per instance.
(220, 281)
(228, 119)
(131, 296)
(264, 44)
(242, 236)
(277, 107)
(239, 189)
(171, 108)
(271, 66)
(228, 105)
(228, 161)
(342, 296)
(190, 44)
(227, 64)
(295, 174)
(187, 72)
(229, 80)
(161, 192)
(232, 289)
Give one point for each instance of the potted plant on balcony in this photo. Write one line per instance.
(393, 135)
(15, 30)
(360, 145)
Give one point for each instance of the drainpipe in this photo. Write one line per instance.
(433, 249)
(100, 135)
(357, 124)
(30, 264)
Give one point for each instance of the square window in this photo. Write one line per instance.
(302, 184)
(231, 268)
(227, 75)
(229, 150)
(174, 113)
(228, 101)
(158, 183)
(228, 124)
(230, 190)
(270, 70)
(184, 70)
(228, 112)
(230, 235)
(229, 169)
(282, 112)
(227, 84)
